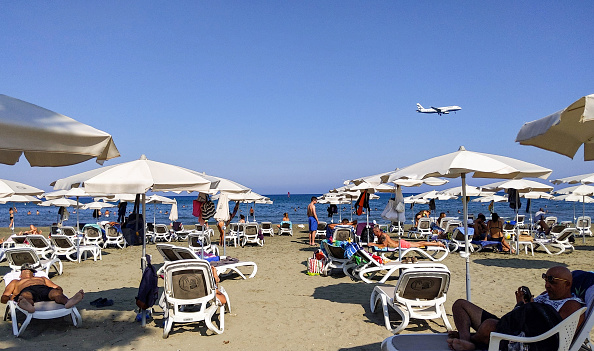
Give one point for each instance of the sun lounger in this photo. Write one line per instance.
(369, 267)
(43, 248)
(20, 255)
(419, 293)
(223, 264)
(43, 310)
(558, 240)
(189, 296)
(65, 247)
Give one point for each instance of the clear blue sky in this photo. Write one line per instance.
(298, 95)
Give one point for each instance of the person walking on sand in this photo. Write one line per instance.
(313, 220)
(30, 289)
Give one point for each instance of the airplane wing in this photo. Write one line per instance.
(438, 109)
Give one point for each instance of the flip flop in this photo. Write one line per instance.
(104, 303)
(95, 302)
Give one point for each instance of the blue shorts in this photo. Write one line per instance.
(313, 224)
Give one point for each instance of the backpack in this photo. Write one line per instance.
(367, 235)
(148, 292)
(531, 319)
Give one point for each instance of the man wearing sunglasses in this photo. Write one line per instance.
(466, 314)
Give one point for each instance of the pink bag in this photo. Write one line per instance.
(196, 211)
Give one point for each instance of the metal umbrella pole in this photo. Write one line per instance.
(143, 260)
(466, 241)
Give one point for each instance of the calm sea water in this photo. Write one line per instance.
(295, 205)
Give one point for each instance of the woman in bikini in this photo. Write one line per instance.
(495, 228)
(384, 240)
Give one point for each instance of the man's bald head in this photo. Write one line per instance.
(560, 286)
(561, 272)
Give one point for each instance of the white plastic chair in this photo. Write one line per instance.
(285, 228)
(20, 255)
(558, 240)
(250, 235)
(92, 236)
(43, 310)
(321, 232)
(423, 229)
(233, 235)
(583, 224)
(420, 293)
(198, 242)
(162, 233)
(43, 248)
(114, 237)
(189, 296)
(266, 228)
(63, 246)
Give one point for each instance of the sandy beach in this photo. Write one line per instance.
(281, 308)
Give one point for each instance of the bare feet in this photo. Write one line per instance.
(26, 305)
(75, 299)
(459, 344)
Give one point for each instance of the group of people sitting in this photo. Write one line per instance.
(490, 231)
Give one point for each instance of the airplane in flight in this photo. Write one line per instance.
(439, 110)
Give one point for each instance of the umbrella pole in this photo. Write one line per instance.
(517, 227)
(466, 241)
(583, 216)
(143, 259)
(77, 209)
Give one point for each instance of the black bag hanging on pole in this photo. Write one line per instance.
(514, 199)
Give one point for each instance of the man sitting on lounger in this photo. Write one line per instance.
(30, 289)
(466, 314)
(384, 240)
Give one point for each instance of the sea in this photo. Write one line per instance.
(295, 205)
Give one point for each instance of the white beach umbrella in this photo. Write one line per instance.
(61, 202)
(47, 138)
(577, 190)
(521, 185)
(173, 216)
(10, 187)
(481, 165)
(224, 185)
(578, 179)
(158, 199)
(136, 177)
(95, 205)
(73, 192)
(564, 131)
(489, 198)
(20, 198)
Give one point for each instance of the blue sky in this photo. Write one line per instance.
(298, 95)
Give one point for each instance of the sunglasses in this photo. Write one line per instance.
(551, 279)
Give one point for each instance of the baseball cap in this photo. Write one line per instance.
(28, 266)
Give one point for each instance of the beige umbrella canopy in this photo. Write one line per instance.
(481, 165)
(564, 131)
(9, 187)
(47, 138)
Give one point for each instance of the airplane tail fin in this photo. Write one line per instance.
(419, 107)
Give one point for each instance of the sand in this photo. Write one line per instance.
(281, 308)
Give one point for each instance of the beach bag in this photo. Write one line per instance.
(148, 292)
(314, 266)
(389, 213)
(367, 235)
(531, 319)
(208, 209)
(400, 207)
